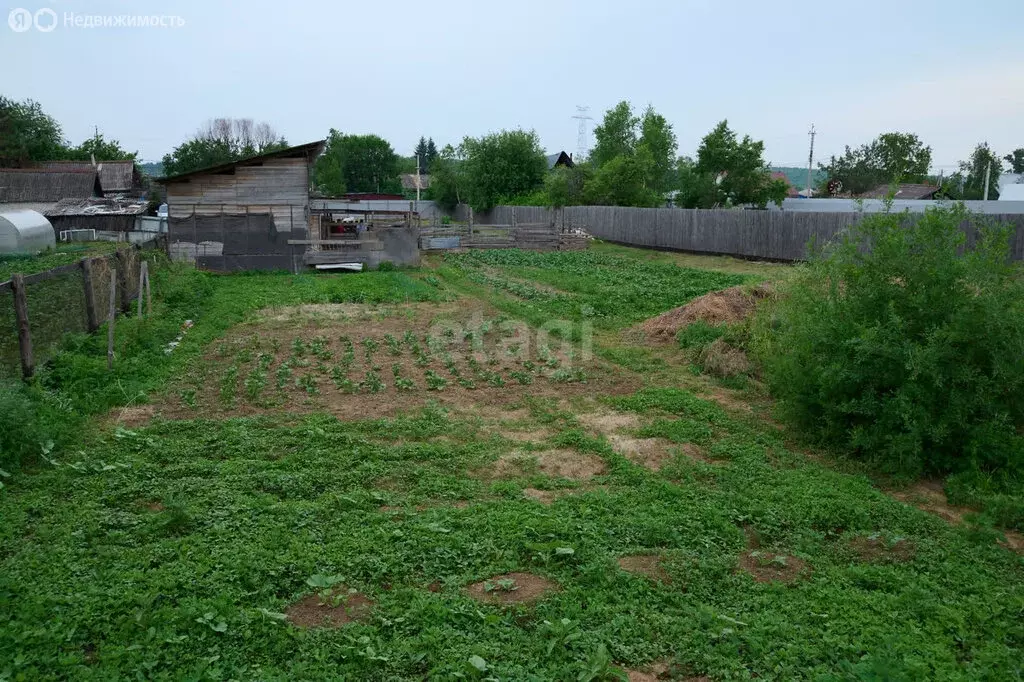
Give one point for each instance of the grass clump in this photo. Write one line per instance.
(903, 344)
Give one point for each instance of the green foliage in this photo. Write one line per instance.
(623, 181)
(27, 134)
(729, 172)
(100, 149)
(699, 334)
(633, 160)
(889, 158)
(1016, 160)
(426, 150)
(220, 141)
(969, 182)
(908, 353)
(447, 179)
(616, 135)
(565, 186)
(356, 163)
(503, 164)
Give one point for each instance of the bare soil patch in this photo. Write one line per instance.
(549, 496)
(873, 549)
(555, 463)
(650, 453)
(133, 415)
(719, 307)
(654, 672)
(648, 565)
(608, 421)
(766, 567)
(512, 588)
(930, 496)
(340, 607)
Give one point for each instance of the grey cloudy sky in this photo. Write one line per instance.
(952, 72)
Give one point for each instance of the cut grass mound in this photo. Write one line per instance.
(727, 306)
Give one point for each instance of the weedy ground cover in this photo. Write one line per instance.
(656, 521)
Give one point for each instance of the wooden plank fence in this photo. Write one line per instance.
(768, 235)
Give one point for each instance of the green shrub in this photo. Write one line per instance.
(32, 422)
(910, 353)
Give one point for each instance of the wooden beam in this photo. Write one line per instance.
(91, 318)
(24, 333)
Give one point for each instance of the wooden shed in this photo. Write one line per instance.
(240, 215)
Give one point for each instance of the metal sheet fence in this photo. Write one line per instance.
(57, 304)
(770, 235)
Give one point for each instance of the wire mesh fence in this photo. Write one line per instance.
(65, 300)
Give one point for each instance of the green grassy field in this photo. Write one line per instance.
(657, 522)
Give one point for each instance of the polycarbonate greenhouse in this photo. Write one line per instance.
(25, 232)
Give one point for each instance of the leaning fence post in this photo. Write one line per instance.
(111, 315)
(24, 333)
(91, 318)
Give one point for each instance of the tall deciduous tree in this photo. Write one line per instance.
(357, 163)
(502, 165)
(969, 182)
(223, 140)
(658, 141)
(731, 171)
(27, 134)
(889, 158)
(616, 135)
(447, 179)
(1016, 160)
(633, 158)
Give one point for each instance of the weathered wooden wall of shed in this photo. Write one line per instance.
(277, 186)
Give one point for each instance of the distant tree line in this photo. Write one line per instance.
(29, 136)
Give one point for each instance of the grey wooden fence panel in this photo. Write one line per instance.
(776, 235)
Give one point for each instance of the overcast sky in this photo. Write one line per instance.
(952, 72)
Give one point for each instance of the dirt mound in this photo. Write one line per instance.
(719, 307)
(511, 588)
(723, 360)
(336, 609)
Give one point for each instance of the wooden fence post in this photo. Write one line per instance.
(111, 315)
(91, 318)
(24, 333)
(122, 282)
(144, 286)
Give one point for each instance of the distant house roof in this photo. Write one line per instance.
(560, 159)
(311, 150)
(96, 206)
(410, 181)
(115, 176)
(903, 191)
(1010, 179)
(41, 185)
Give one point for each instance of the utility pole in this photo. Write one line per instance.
(810, 161)
(988, 172)
(582, 115)
(417, 182)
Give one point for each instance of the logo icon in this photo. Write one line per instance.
(46, 20)
(20, 20)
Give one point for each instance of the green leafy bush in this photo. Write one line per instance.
(910, 352)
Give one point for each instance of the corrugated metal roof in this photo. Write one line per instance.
(40, 185)
(903, 191)
(115, 176)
